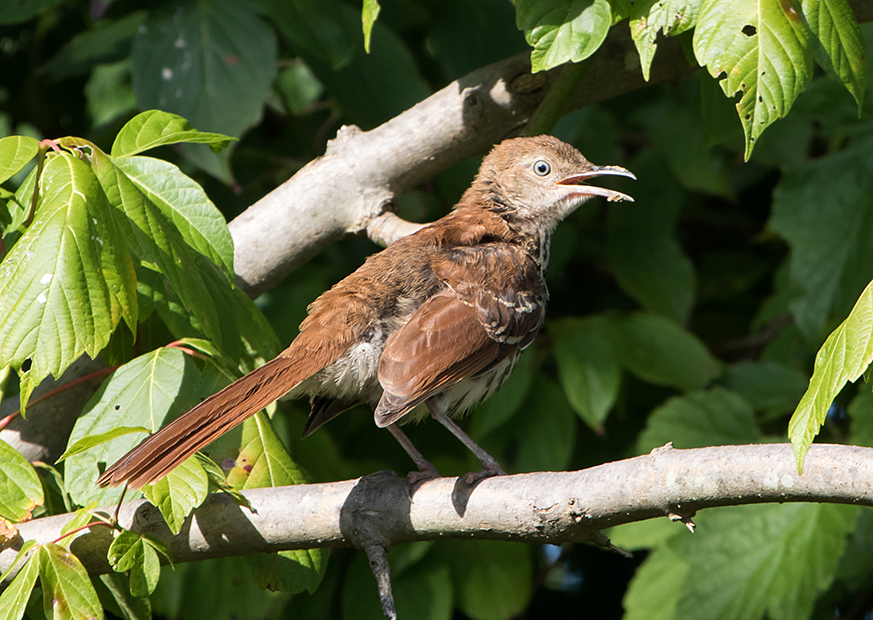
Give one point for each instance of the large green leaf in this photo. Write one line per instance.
(68, 280)
(15, 152)
(587, 369)
(758, 49)
(656, 588)
(20, 488)
(179, 492)
(715, 417)
(211, 62)
(13, 600)
(184, 203)
(659, 351)
(746, 561)
(66, 589)
(648, 17)
(154, 128)
(562, 30)
(254, 457)
(841, 49)
(767, 386)
(843, 357)
(153, 237)
(824, 212)
(147, 391)
(492, 578)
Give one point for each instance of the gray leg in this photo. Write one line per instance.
(490, 466)
(426, 471)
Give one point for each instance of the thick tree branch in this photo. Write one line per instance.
(539, 507)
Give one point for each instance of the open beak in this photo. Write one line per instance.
(599, 171)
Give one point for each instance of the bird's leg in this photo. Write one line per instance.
(490, 466)
(426, 471)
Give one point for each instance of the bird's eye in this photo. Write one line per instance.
(542, 167)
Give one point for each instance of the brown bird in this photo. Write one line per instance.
(438, 318)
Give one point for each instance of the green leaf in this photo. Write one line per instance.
(656, 588)
(670, 17)
(82, 517)
(830, 258)
(68, 280)
(368, 17)
(154, 128)
(179, 492)
(758, 49)
(644, 534)
(20, 488)
(298, 87)
(13, 600)
(66, 588)
(767, 386)
(147, 391)
(289, 571)
(746, 561)
(114, 592)
(843, 357)
(546, 433)
(562, 30)
(657, 350)
(492, 579)
(212, 63)
(256, 456)
(841, 46)
(86, 443)
(587, 369)
(316, 27)
(133, 552)
(15, 152)
(184, 203)
(153, 236)
(716, 417)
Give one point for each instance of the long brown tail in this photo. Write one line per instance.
(198, 427)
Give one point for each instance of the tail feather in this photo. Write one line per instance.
(201, 425)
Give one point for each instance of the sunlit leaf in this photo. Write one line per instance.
(15, 152)
(154, 128)
(758, 49)
(562, 30)
(66, 588)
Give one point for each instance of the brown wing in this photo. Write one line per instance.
(492, 306)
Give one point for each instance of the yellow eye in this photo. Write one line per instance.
(542, 167)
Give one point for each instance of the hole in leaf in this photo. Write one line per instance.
(749, 30)
(25, 365)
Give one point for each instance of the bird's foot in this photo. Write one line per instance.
(425, 473)
(488, 471)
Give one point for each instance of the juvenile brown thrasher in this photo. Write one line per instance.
(438, 318)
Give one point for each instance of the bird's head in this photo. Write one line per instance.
(542, 178)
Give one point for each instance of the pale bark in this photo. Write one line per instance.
(543, 507)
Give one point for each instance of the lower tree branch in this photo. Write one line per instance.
(545, 507)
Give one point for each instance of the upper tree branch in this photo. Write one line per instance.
(538, 507)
